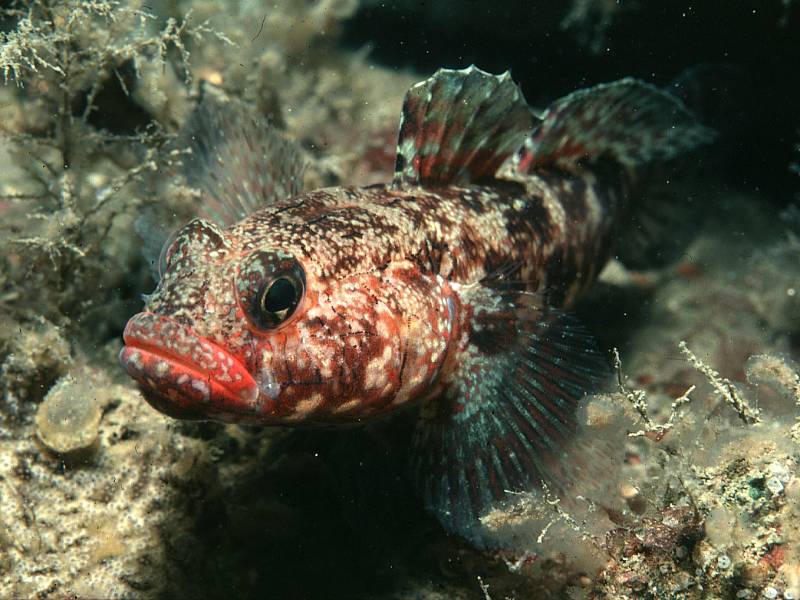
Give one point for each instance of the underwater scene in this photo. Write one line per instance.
(399, 300)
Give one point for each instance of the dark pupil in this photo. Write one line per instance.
(280, 296)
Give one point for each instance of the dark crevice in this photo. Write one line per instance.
(656, 42)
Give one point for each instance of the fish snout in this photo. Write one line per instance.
(183, 374)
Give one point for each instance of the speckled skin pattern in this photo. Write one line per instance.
(383, 321)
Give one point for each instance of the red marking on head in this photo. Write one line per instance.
(183, 374)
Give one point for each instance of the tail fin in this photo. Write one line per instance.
(628, 121)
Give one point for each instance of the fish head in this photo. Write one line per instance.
(179, 348)
(246, 329)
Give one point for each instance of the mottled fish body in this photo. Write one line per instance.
(444, 288)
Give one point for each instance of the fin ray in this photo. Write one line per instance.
(239, 162)
(630, 121)
(459, 127)
(510, 416)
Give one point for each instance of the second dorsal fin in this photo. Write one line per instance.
(459, 127)
(628, 121)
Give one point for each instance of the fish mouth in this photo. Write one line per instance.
(184, 375)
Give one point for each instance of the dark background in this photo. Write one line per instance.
(750, 92)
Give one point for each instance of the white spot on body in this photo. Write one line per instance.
(136, 359)
(202, 387)
(162, 368)
(306, 407)
(377, 370)
(347, 406)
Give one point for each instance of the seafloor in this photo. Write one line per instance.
(103, 497)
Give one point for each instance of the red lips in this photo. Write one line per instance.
(185, 375)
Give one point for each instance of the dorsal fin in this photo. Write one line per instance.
(459, 127)
(239, 161)
(628, 121)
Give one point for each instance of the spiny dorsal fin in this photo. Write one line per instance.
(240, 162)
(459, 127)
(629, 121)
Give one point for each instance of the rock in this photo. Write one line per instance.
(34, 354)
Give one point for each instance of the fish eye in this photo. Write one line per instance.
(270, 286)
(278, 299)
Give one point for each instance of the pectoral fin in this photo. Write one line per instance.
(509, 417)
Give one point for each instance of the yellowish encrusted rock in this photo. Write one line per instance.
(67, 421)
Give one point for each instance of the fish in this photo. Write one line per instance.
(446, 290)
